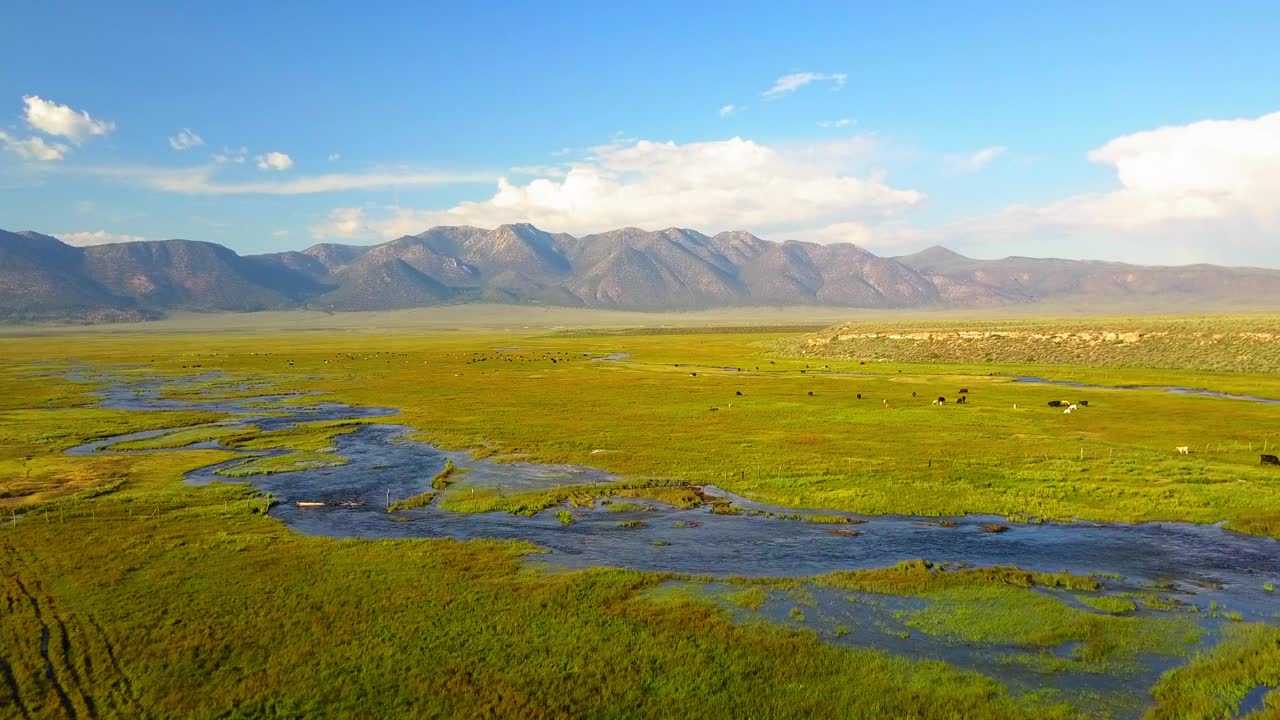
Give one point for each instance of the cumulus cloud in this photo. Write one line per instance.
(274, 161)
(841, 123)
(727, 110)
(790, 83)
(53, 119)
(733, 183)
(33, 148)
(97, 237)
(185, 140)
(334, 157)
(968, 163)
(1202, 191)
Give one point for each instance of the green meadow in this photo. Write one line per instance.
(131, 594)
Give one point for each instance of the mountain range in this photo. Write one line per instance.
(44, 279)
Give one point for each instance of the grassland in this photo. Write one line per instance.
(166, 600)
(778, 444)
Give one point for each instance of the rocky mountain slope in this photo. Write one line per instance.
(42, 278)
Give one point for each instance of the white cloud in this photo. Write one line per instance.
(33, 148)
(333, 157)
(274, 161)
(1203, 191)
(728, 110)
(185, 140)
(98, 237)
(720, 185)
(841, 123)
(53, 119)
(967, 163)
(200, 180)
(790, 83)
(231, 155)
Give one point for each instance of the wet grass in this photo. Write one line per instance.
(776, 444)
(287, 462)
(446, 476)
(173, 591)
(1012, 616)
(629, 507)
(1213, 684)
(1108, 603)
(422, 499)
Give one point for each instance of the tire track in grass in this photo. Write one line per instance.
(11, 683)
(49, 672)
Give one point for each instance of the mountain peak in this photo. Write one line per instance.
(671, 269)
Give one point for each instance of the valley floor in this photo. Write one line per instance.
(133, 594)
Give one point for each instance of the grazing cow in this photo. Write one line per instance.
(1083, 403)
(1067, 411)
(1072, 407)
(859, 396)
(739, 393)
(913, 393)
(964, 391)
(1183, 450)
(941, 401)
(1270, 460)
(810, 393)
(960, 400)
(1055, 403)
(693, 374)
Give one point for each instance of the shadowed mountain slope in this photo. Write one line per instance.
(42, 278)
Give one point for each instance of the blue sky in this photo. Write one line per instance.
(1145, 132)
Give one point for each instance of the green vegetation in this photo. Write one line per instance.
(445, 477)
(919, 577)
(1006, 615)
(565, 517)
(751, 598)
(170, 592)
(422, 499)
(1108, 603)
(631, 523)
(1213, 684)
(629, 507)
(183, 438)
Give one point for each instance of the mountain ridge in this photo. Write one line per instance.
(42, 278)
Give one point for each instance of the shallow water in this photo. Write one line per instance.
(1200, 562)
(1197, 564)
(1163, 388)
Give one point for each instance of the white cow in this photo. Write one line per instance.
(1183, 450)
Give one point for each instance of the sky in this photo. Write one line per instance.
(1139, 131)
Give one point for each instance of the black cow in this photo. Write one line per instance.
(1055, 403)
(859, 396)
(964, 391)
(913, 393)
(1083, 403)
(810, 393)
(961, 399)
(739, 392)
(942, 401)
(1270, 460)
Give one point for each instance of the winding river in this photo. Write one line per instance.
(1202, 565)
